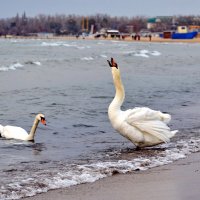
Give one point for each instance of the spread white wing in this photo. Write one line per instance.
(151, 122)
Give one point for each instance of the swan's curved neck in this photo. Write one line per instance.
(33, 129)
(119, 88)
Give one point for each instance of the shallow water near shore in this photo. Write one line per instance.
(70, 82)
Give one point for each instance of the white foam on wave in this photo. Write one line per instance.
(17, 65)
(63, 44)
(155, 53)
(104, 56)
(11, 67)
(143, 53)
(83, 47)
(52, 44)
(37, 63)
(34, 63)
(68, 175)
(68, 45)
(56, 44)
(87, 58)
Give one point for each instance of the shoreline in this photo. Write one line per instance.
(127, 39)
(179, 180)
(157, 183)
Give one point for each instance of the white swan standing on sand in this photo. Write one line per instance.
(14, 132)
(142, 126)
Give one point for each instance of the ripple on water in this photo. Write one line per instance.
(60, 175)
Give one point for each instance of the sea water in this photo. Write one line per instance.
(70, 82)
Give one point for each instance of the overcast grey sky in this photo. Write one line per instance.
(9, 8)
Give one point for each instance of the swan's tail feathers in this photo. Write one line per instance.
(173, 133)
(165, 117)
(151, 122)
(156, 128)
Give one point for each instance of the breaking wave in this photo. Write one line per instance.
(63, 44)
(11, 67)
(17, 65)
(65, 175)
(87, 58)
(143, 53)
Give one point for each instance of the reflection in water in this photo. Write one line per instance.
(38, 148)
(23, 145)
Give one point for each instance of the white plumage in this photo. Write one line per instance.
(15, 132)
(142, 126)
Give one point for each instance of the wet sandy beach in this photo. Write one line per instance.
(177, 181)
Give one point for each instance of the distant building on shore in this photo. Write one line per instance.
(194, 27)
(113, 33)
(152, 22)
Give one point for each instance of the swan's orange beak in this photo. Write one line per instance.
(43, 121)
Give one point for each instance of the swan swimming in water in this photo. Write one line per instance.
(14, 132)
(142, 126)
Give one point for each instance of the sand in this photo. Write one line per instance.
(177, 181)
(128, 39)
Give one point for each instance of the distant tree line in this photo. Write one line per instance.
(74, 24)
